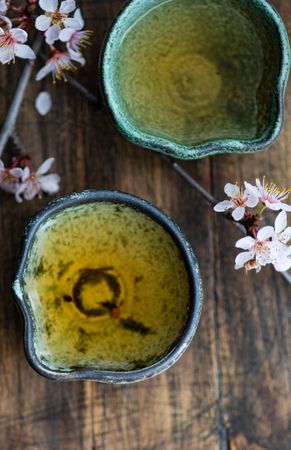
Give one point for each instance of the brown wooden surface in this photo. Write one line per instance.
(231, 390)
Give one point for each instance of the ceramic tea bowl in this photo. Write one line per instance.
(261, 27)
(31, 301)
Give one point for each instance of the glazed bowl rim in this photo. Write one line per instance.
(192, 267)
(213, 147)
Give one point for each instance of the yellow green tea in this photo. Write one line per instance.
(107, 287)
(189, 70)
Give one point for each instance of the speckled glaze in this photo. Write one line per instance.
(270, 119)
(195, 301)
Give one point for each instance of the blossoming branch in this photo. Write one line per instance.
(265, 245)
(63, 28)
(63, 34)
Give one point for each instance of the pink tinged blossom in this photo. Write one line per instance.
(58, 64)
(56, 18)
(12, 45)
(270, 195)
(9, 178)
(238, 201)
(75, 40)
(43, 103)
(257, 252)
(34, 183)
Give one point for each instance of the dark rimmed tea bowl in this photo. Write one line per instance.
(45, 217)
(269, 94)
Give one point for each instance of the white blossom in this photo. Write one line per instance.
(12, 44)
(56, 18)
(59, 63)
(34, 183)
(257, 252)
(238, 201)
(269, 194)
(74, 39)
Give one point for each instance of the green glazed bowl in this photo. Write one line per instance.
(269, 97)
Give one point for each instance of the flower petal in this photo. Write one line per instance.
(66, 34)
(265, 233)
(283, 265)
(45, 166)
(6, 56)
(78, 16)
(42, 73)
(253, 190)
(42, 23)
(71, 23)
(245, 243)
(273, 206)
(277, 251)
(43, 103)
(7, 21)
(67, 6)
(281, 222)
(16, 172)
(24, 51)
(285, 236)
(19, 34)
(285, 207)
(50, 183)
(231, 190)
(9, 186)
(3, 6)
(48, 5)
(25, 174)
(1, 165)
(52, 34)
(76, 56)
(238, 213)
(252, 200)
(223, 206)
(259, 185)
(264, 258)
(32, 189)
(19, 192)
(243, 258)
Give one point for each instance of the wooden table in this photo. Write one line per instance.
(231, 390)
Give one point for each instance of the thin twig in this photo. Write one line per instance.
(213, 201)
(14, 108)
(85, 92)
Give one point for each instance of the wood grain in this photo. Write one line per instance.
(231, 390)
